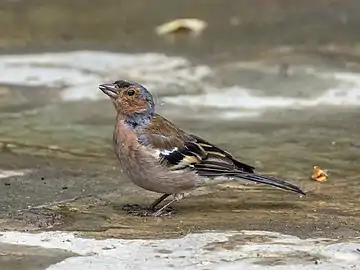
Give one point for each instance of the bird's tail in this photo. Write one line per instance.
(271, 181)
(254, 177)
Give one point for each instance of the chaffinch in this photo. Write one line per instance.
(160, 157)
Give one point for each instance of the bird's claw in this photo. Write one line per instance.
(168, 211)
(145, 211)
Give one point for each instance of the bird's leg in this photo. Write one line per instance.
(177, 197)
(157, 201)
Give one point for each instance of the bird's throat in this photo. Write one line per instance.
(138, 120)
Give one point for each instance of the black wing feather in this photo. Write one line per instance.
(214, 150)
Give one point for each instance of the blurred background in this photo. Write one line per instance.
(276, 82)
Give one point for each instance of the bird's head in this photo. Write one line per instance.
(129, 98)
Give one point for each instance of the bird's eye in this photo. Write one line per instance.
(130, 92)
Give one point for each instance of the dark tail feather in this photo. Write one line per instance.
(271, 181)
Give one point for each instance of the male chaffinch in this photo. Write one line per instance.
(160, 157)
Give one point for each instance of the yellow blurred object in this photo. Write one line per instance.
(319, 175)
(195, 26)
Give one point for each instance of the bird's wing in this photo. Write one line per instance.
(180, 150)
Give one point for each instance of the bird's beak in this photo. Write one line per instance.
(109, 89)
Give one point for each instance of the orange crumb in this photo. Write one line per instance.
(319, 175)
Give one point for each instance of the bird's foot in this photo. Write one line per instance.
(145, 211)
(162, 210)
(136, 210)
(166, 212)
